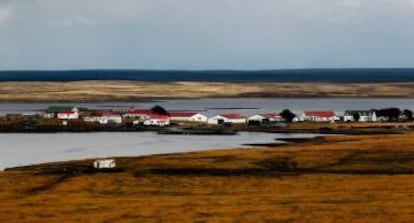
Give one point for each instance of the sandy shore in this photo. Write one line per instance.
(129, 90)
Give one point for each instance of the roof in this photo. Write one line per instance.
(158, 117)
(322, 114)
(360, 112)
(182, 114)
(55, 109)
(140, 112)
(232, 116)
(67, 112)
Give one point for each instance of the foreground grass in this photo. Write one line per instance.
(335, 179)
(130, 90)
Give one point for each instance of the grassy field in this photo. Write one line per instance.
(334, 179)
(127, 90)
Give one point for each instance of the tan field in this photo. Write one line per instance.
(334, 179)
(126, 90)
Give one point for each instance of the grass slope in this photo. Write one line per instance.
(335, 179)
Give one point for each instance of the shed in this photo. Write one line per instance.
(104, 164)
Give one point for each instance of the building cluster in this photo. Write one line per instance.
(148, 117)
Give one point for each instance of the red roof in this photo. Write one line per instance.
(232, 116)
(140, 112)
(182, 114)
(158, 117)
(322, 114)
(66, 112)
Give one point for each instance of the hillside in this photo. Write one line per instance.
(338, 178)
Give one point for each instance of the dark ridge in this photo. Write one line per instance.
(360, 75)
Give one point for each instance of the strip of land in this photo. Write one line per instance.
(130, 90)
(365, 178)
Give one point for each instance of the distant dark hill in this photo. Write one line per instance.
(299, 75)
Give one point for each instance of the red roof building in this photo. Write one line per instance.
(182, 114)
(141, 111)
(232, 116)
(320, 116)
(68, 114)
(138, 113)
(158, 117)
(187, 117)
(157, 120)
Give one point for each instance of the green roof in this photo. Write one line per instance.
(55, 109)
(360, 112)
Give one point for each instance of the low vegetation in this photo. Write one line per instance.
(129, 90)
(365, 178)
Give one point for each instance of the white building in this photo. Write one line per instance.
(265, 117)
(157, 120)
(319, 116)
(227, 118)
(52, 111)
(364, 116)
(138, 113)
(112, 118)
(104, 164)
(67, 115)
(187, 117)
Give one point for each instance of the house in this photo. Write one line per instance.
(68, 114)
(230, 118)
(52, 111)
(110, 118)
(156, 120)
(187, 117)
(265, 118)
(319, 116)
(106, 117)
(104, 164)
(138, 113)
(364, 116)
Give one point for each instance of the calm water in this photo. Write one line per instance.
(245, 106)
(25, 149)
(293, 75)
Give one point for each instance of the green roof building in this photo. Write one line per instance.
(56, 109)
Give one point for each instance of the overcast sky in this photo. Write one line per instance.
(205, 34)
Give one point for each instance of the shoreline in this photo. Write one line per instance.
(127, 91)
(286, 142)
(278, 143)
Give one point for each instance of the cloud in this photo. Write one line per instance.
(200, 34)
(5, 14)
(353, 4)
(70, 22)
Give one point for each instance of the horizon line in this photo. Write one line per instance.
(207, 70)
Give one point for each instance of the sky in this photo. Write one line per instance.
(205, 34)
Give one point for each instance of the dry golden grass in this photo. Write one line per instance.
(338, 179)
(127, 90)
(350, 125)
